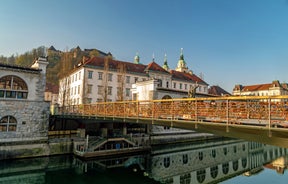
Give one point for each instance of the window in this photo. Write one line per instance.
(110, 75)
(235, 165)
(127, 91)
(127, 79)
(166, 128)
(185, 86)
(8, 124)
(100, 90)
(109, 90)
(235, 149)
(90, 74)
(167, 84)
(174, 84)
(185, 179)
(79, 75)
(185, 159)
(200, 155)
(160, 83)
(119, 78)
(225, 168)
(180, 86)
(89, 100)
(89, 90)
(213, 153)
(119, 91)
(135, 79)
(201, 175)
(225, 151)
(243, 147)
(166, 162)
(244, 162)
(214, 171)
(13, 87)
(100, 75)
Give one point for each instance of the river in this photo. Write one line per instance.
(218, 161)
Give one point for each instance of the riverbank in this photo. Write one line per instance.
(67, 145)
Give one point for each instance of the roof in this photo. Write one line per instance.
(100, 52)
(130, 67)
(155, 67)
(260, 87)
(217, 91)
(24, 68)
(52, 88)
(114, 64)
(187, 77)
(52, 48)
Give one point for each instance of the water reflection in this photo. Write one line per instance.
(209, 162)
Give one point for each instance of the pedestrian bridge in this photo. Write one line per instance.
(255, 118)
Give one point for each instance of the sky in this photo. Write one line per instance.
(228, 42)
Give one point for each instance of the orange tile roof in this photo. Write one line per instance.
(155, 67)
(143, 69)
(114, 64)
(217, 91)
(258, 87)
(261, 87)
(186, 77)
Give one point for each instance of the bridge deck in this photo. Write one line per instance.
(259, 113)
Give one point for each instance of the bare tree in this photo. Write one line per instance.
(121, 70)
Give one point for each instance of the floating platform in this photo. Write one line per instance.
(108, 148)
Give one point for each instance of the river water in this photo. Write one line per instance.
(218, 161)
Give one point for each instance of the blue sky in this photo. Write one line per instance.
(228, 41)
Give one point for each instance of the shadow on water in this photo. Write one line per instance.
(219, 160)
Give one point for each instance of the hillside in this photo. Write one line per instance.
(60, 62)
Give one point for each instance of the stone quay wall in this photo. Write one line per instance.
(32, 120)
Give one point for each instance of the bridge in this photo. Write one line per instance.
(254, 118)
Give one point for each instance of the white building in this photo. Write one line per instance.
(23, 111)
(269, 89)
(105, 79)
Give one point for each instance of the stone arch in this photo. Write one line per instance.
(12, 86)
(201, 175)
(166, 97)
(8, 124)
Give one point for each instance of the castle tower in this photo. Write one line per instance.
(181, 66)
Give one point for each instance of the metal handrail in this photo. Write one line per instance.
(266, 110)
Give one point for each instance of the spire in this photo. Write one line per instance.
(153, 57)
(137, 59)
(181, 66)
(181, 55)
(165, 66)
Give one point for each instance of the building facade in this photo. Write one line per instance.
(99, 79)
(23, 110)
(269, 89)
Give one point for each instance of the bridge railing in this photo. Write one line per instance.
(267, 110)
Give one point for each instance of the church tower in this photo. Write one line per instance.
(165, 65)
(181, 66)
(137, 59)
